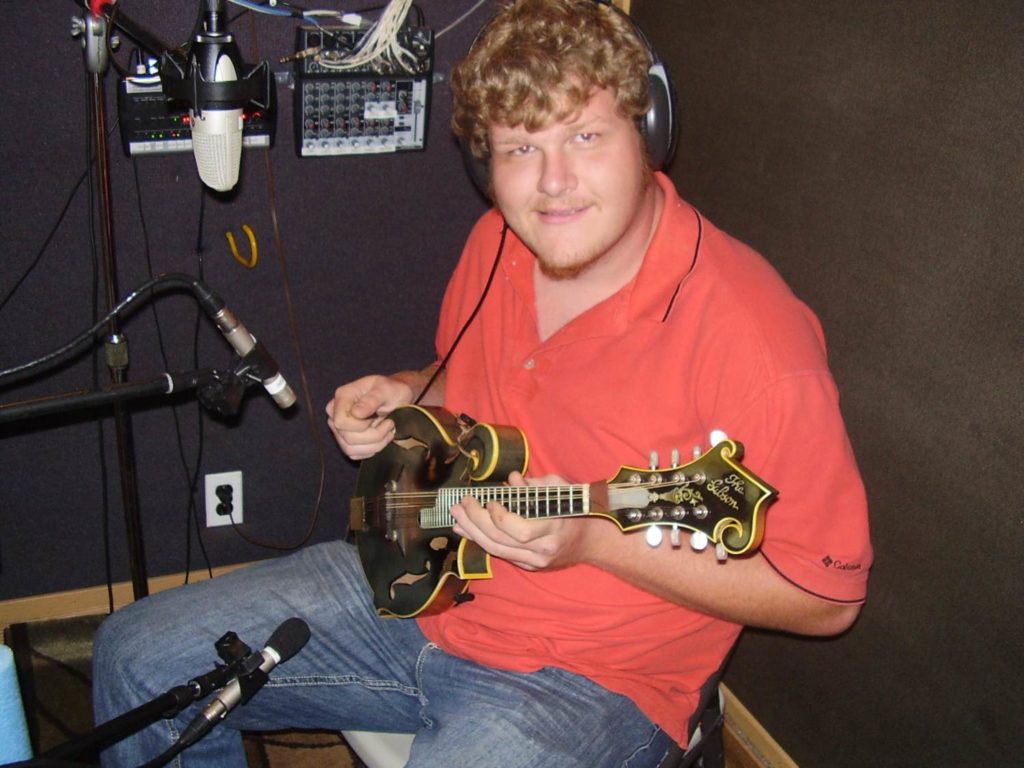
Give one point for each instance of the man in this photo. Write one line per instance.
(618, 322)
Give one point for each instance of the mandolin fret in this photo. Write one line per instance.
(529, 501)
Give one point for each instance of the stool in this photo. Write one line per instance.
(705, 750)
(380, 750)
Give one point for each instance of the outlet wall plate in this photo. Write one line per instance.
(213, 482)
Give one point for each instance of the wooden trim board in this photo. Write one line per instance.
(747, 743)
(90, 600)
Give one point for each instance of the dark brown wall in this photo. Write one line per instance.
(874, 152)
(871, 150)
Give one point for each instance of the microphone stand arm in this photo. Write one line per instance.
(217, 391)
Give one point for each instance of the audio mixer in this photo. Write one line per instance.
(379, 107)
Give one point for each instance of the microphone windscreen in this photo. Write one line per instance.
(217, 133)
(217, 145)
(289, 638)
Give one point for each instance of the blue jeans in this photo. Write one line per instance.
(358, 672)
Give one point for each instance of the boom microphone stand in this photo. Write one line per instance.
(242, 676)
(191, 82)
(94, 33)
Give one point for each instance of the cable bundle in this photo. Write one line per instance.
(382, 43)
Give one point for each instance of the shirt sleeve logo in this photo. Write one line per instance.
(839, 565)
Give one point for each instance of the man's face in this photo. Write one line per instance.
(573, 191)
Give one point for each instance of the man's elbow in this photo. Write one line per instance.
(829, 619)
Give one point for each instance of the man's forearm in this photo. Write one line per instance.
(417, 380)
(744, 589)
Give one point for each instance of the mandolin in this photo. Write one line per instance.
(414, 562)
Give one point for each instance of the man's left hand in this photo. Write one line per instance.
(531, 544)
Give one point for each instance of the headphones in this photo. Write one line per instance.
(657, 126)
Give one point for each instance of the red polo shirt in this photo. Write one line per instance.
(706, 337)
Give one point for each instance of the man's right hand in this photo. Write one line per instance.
(357, 413)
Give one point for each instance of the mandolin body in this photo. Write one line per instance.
(412, 570)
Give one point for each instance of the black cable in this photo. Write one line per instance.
(191, 476)
(120, 68)
(86, 174)
(693, 264)
(101, 437)
(472, 316)
(166, 756)
(420, 19)
(46, 242)
(315, 430)
(197, 523)
(169, 281)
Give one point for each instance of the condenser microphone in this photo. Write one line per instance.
(217, 85)
(217, 135)
(287, 640)
(260, 362)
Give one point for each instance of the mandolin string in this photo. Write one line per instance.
(536, 490)
(541, 494)
(408, 504)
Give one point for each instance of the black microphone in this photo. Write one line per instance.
(287, 640)
(217, 85)
(245, 344)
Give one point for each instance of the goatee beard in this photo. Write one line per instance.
(558, 272)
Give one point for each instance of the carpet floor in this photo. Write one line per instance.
(53, 660)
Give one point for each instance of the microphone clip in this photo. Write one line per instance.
(256, 365)
(251, 677)
(233, 652)
(242, 664)
(92, 31)
(196, 75)
(184, 79)
(222, 394)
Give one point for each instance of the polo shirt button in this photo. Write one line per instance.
(528, 365)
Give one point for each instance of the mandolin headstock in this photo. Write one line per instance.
(714, 497)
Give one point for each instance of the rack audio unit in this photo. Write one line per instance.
(152, 124)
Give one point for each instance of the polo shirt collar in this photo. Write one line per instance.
(668, 259)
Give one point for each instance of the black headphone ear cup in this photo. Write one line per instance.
(477, 168)
(659, 124)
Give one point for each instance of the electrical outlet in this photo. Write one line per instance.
(223, 499)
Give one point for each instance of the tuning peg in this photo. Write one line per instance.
(717, 436)
(696, 451)
(653, 536)
(673, 536)
(654, 459)
(675, 457)
(720, 552)
(699, 541)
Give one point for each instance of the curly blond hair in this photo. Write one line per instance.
(539, 61)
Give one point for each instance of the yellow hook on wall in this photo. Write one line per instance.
(254, 250)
